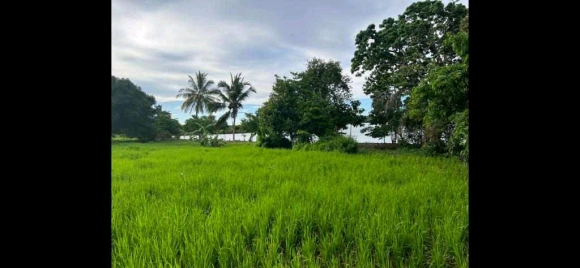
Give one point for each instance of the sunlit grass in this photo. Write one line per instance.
(177, 204)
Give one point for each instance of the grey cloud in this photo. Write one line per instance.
(157, 44)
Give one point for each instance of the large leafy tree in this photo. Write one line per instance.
(232, 96)
(316, 102)
(199, 97)
(327, 98)
(132, 111)
(280, 115)
(400, 55)
(441, 100)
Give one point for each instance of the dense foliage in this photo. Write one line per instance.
(418, 75)
(314, 103)
(166, 128)
(132, 111)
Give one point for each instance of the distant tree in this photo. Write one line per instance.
(232, 95)
(250, 124)
(200, 96)
(132, 112)
(165, 126)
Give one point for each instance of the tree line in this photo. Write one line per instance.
(135, 114)
(417, 78)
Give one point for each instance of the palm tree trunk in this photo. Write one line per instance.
(234, 130)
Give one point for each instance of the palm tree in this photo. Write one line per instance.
(232, 96)
(200, 97)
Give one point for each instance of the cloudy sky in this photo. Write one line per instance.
(157, 44)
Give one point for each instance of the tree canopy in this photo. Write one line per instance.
(166, 127)
(441, 100)
(315, 102)
(200, 96)
(132, 111)
(407, 55)
(232, 96)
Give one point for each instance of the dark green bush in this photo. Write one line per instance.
(273, 141)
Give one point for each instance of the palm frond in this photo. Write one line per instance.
(224, 97)
(245, 94)
(201, 81)
(224, 85)
(223, 118)
(184, 92)
(250, 116)
(207, 85)
(213, 92)
(216, 106)
(193, 83)
(187, 105)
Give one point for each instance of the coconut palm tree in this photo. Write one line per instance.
(232, 96)
(199, 97)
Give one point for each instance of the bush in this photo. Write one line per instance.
(336, 143)
(274, 141)
(432, 149)
(209, 141)
(405, 145)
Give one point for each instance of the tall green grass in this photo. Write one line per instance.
(177, 204)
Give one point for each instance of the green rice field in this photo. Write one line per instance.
(177, 204)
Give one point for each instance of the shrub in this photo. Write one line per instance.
(273, 141)
(432, 149)
(336, 143)
(210, 141)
